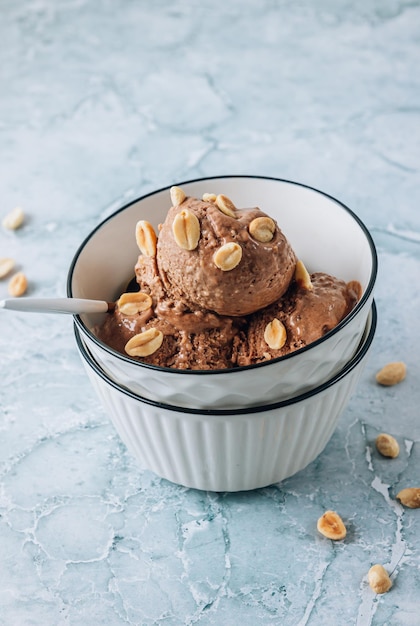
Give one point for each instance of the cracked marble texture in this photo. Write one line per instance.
(101, 102)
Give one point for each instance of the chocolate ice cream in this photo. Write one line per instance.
(304, 314)
(221, 287)
(240, 262)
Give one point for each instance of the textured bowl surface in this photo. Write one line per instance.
(229, 450)
(324, 233)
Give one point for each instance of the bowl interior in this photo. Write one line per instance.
(324, 233)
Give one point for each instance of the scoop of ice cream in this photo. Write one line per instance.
(231, 261)
(305, 314)
(212, 348)
(194, 340)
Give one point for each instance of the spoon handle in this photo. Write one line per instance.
(73, 306)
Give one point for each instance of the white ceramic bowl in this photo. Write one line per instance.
(229, 450)
(324, 233)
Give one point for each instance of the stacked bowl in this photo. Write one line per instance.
(242, 428)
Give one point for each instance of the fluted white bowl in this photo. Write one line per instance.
(229, 450)
(324, 233)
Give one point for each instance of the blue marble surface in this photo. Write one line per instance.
(100, 102)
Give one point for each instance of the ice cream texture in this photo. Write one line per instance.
(221, 287)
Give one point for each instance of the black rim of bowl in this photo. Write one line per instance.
(350, 365)
(233, 371)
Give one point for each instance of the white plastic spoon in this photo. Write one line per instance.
(73, 306)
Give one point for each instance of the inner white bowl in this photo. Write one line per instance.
(324, 233)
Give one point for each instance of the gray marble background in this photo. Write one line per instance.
(101, 101)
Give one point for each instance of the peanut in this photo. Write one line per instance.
(331, 526)
(209, 197)
(392, 373)
(228, 256)
(302, 276)
(379, 579)
(186, 230)
(18, 284)
(262, 229)
(133, 303)
(410, 497)
(145, 343)
(387, 445)
(146, 238)
(275, 334)
(14, 219)
(225, 205)
(6, 266)
(177, 195)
